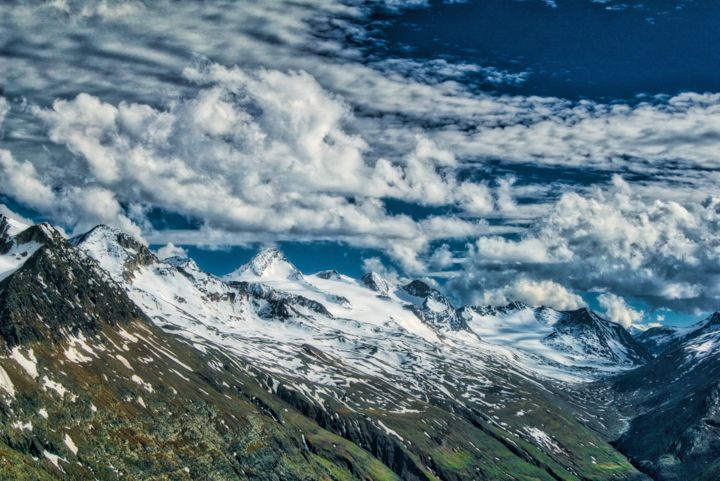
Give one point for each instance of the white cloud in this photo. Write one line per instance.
(662, 252)
(375, 264)
(101, 9)
(311, 146)
(254, 151)
(502, 250)
(532, 292)
(4, 109)
(20, 180)
(617, 310)
(171, 250)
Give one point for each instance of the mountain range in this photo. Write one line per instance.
(117, 364)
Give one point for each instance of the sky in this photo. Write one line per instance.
(561, 153)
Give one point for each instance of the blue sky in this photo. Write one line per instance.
(580, 49)
(557, 152)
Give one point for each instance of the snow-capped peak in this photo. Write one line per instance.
(18, 242)
(376, 282)
(116, 252)
(182, 262)
(98, 235)
(10, 227)
(268, 264)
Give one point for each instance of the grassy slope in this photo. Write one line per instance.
(209, 420)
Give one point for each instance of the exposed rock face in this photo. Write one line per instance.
(375, 281)
(656, 339)
(126, 253)
(58, 292)
(597, 336)
(435, 309)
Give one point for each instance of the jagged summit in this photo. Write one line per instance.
(584, 330)
(658, 339)
(182, 262)
(19, 242)
(711, 324)
(119, 253)
(418, 288)
(376, 282)
(329, 274)
(10, 227)
(268, 264)
(45, 296)
(496, 310)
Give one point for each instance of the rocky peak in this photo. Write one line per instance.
(656, 339)
(433, 307)
(376, 282)
(182, 262)
(418, 288)
(598, 336)
(39, 233)
(514, 306)
(4, 233)
(58, 292)
(10, 227)
(329, 274)
(268, 264)
(712, 323)
(118, 253)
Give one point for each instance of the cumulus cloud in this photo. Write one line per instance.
(4, 109)
(533, 293)
(258, 151)
(171, 250)
(662, 252)
(20, 180)
(618, 311)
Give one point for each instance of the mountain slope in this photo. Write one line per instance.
(674, 403)
(95, 391)
(656, 339)
(364, 366)
(117, 364)
(562, 344)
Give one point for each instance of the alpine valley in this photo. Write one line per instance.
(116, 364)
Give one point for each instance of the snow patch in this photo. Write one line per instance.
(543, 440)
(55, 459)
(29, 363)
(138, 380)
(70, 444)
(5, 382)
(124, 362)
(54, 386)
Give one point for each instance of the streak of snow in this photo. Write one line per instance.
(28, 363)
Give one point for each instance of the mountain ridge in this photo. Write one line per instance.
(383, 372)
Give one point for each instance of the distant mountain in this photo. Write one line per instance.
(121, 364)
(656, 339)
(268, 264)
(562, 344)
(431, 306)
